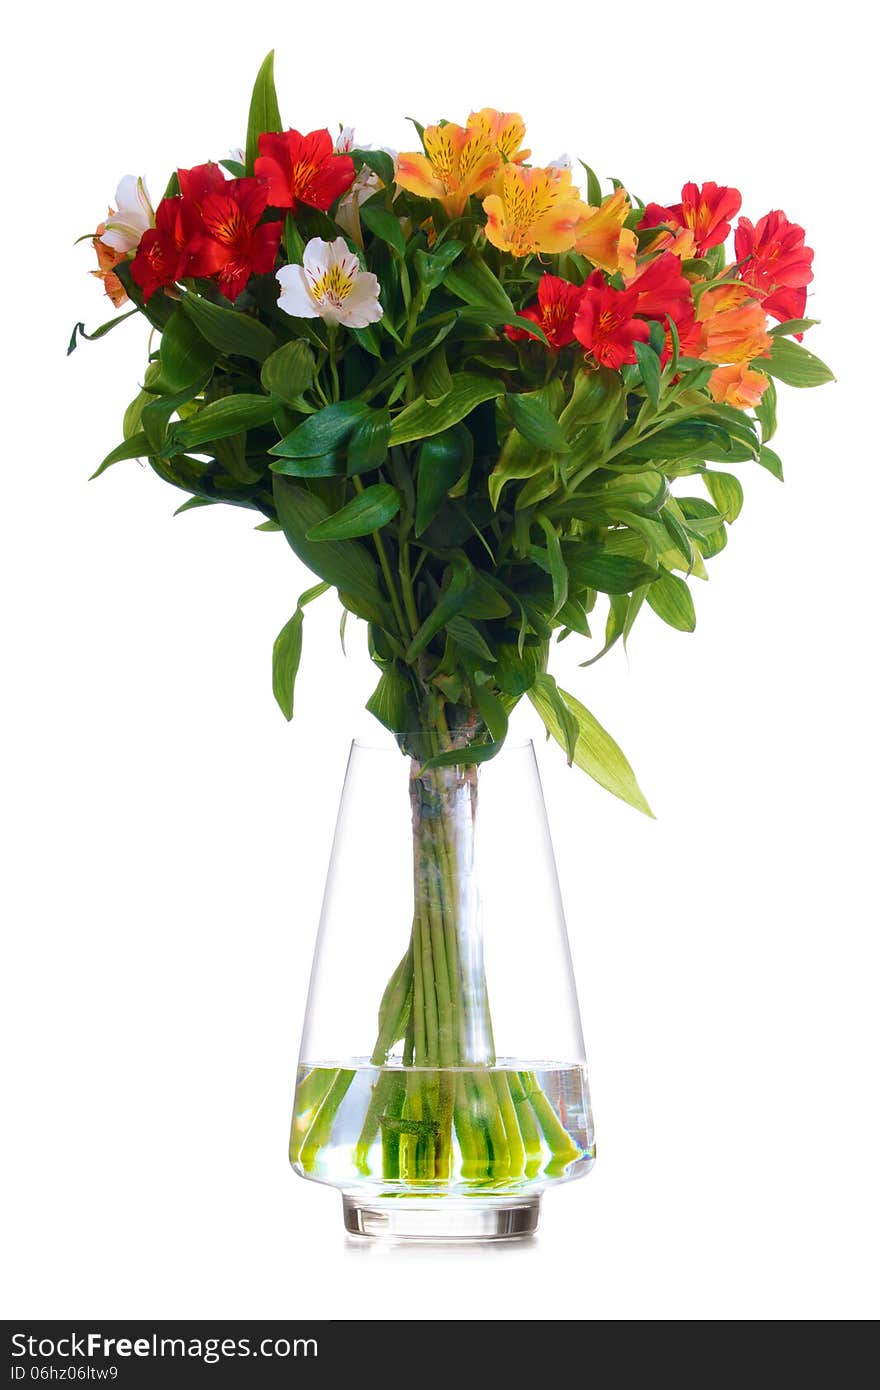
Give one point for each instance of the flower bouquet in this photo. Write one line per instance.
(489, 408)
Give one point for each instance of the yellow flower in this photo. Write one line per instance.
(458, 162)
(603, 239)
(532, 210)
(505, 129)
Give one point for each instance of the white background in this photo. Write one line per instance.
(165, 833)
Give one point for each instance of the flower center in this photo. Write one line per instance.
(333, 286)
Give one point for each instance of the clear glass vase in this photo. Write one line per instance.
(442, 1084)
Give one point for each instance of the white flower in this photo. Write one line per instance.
(345, 141)
(563, 162)
(237, 154)
(329, 285)
(134, 216)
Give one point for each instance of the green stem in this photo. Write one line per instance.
(563, 1150)
(386, 572)
(319, 1132)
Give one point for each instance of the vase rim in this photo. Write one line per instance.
(387, 743)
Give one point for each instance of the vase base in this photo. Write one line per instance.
(444, 1219)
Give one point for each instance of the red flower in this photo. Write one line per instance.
(554, 311)
(176, 247)
(198, 182)
(703, 215)
(231, 217)
(663, 292)
(605, 323)
(778, 265)
(303, 169)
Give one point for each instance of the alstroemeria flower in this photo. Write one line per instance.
(533, 210)
(557, 303)
(133, 216)
(329, 285)
(700, 221)
(108, 259)
(176, 247)
(504, 129)
(303, 169)
(458, 162)
(776, 263)
(606, 325)
(231, 217)
(738, 384)
(663, 291)
(601, 236)
(196, 183)
(345, 141)
(731, 326)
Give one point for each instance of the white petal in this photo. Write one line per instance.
(143, 198)
(295, 297)
(127, 192)
(121, 235)
(362, 305)
(316, 257)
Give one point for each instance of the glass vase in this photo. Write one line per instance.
(442, 1085)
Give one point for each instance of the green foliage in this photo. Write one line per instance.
(469, 493)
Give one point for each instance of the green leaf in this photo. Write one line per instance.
(432, 267)
(473, 281)
(442, 460)
(380, 162)
(450, 602)
(492, 713)
(184, 355)
(421, 420)
(365, 513)
(347, 565)
(792, 326)
(595, 751)
(264, 116)
(516, 671)
(558, 571)
(392, 702)
(726, 492)
(536, 424)
(222, 418)
(765, 411)
(682, 439)
(228, 330)
(466, 635)
(649, 370)
(770, 460)
(547, 699)
(329, 465)
(368, 445)
(156, 415)
(610, 574)
(322, 432)
(671, 600)
(793, 364)
(436, 378)
(289, 371)
(79, 330)
(287, 652)
(594, 187)
(134, 448)
(383, 223)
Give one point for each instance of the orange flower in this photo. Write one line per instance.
(603, 239)
(108, 259)
(533, 210)
(738, 384)
(504, 129)
(458, 161)
(731, 324)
